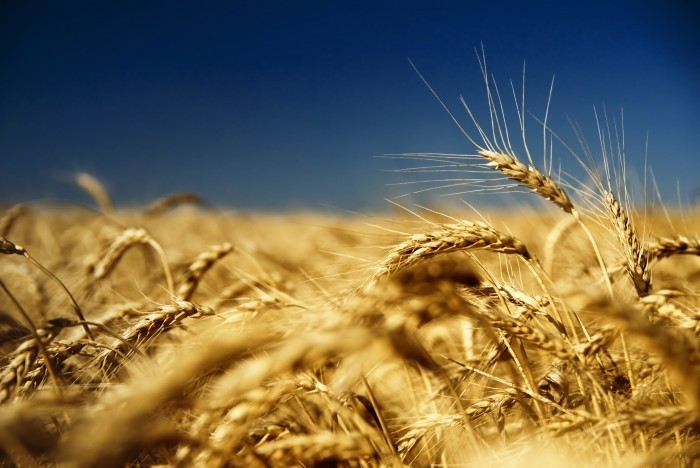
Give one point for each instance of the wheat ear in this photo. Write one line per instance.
(528, 176)
(668, 247)
(462, 236)
(120, 245)
(545, 186)
(200, 266)
(150, 326)
(25, 359)
(96, 190)
(636, 257)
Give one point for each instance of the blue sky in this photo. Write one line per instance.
(272, 105)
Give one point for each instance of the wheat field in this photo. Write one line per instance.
(181, 335)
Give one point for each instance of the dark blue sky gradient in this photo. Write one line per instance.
(284, 104)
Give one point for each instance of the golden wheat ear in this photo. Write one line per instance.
(96, 190)
(454, 237)
(530, 177)
(636, 257)
(666, 247)
(199, 267)
(127, 239)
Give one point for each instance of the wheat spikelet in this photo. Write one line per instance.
(14, 371)
(668, 247)
(96, 190)
(225, 433)
(530, 177)
(636, 256)
(659, 308)
(678, 349)
(463, 236)
(517, 297)
(200, 266)
(664, 416)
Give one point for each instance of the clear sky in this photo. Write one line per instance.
(285, 104)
